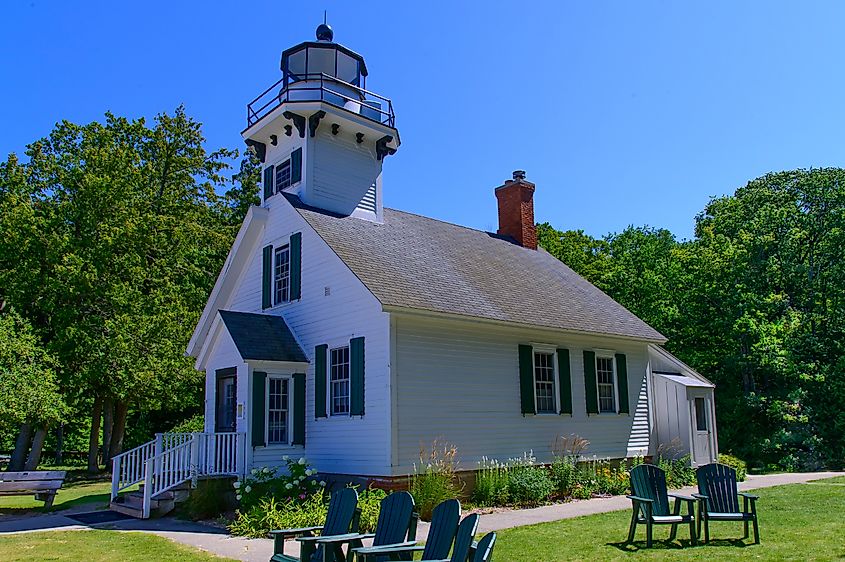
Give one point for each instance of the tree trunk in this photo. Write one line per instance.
(108, 426)
(60, 443)
(121, 409)
(94, 437)
(18, 459)
(34, 457)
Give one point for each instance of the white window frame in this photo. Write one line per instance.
(289, 420)
(276, 278)
(277, 188)
(549, 350)
(612, 356)
(330, 383)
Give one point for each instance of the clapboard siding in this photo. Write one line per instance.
(342, 171)
(337, 444)
(459, 381)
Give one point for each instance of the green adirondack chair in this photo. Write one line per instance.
(651, 504)
(441, 535)
(719, 500)
(396, 521)
(463, 540)
(483, 550)
(342, 517)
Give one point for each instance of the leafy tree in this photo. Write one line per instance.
(115, 234)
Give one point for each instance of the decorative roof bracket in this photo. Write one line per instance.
(259, 147)
(382, 150)
(298, 121)
(314, 121)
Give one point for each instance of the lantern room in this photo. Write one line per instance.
(322, 57)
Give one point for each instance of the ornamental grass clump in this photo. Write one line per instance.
(434, 479)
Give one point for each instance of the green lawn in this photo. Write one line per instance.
(797, 522)
(93, 546)
(71, 494)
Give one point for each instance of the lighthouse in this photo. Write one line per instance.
(320, 134)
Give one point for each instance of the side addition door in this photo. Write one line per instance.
(226, 399)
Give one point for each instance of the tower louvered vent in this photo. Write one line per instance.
(368, 202)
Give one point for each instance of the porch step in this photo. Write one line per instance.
(132, 503)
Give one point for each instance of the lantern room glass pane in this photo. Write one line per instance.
(296, 65)
(347, 68)
(321, 60)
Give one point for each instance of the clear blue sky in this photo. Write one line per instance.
(621, 112)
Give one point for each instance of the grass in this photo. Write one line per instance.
(71, 494)
(94, 546)
(797, 522)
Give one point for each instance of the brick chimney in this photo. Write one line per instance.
(516, 210)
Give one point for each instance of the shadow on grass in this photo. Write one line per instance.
(681, 544)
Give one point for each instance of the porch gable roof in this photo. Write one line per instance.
(262, 337)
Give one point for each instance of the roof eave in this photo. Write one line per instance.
(493, 321)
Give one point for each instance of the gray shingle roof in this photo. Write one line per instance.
(416, 262)
(262, 337)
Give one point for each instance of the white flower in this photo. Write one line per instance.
(248, 489)
(302, 460)
(308, 472)
(254, 471)
(288, 486)
(237, 484)
(265, 470)
(238, 497)
(322, 483)
(313, 482)
(285, 457)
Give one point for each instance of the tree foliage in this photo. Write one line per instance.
(755, 302)
(111, 237)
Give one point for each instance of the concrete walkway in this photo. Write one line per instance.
(217, 541)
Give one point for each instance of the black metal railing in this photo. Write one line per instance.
(321, 87)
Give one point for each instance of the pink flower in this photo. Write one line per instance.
(302, 496)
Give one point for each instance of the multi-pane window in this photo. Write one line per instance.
(282, 175)
(544, 382)
(607, 384)
(339, 379)
(277, 410)
(281, 275)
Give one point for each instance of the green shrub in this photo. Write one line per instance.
(370, 503)
(564, 474)
(264, 483)
(599, 477)
(679, 472)
(194, 424)
(735, 463)
(208, 500)
(270, 513)
(529, 485)
(434, 479)
(491, 484)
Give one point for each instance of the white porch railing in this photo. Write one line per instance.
(174, 458)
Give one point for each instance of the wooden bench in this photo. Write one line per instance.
(42, 483)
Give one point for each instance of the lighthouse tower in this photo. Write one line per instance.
(320, 134)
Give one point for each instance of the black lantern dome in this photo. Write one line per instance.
(312, 59)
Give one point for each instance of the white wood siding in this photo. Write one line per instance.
(459, 381)
(359, 445)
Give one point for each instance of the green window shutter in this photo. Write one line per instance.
(267, 277)
(268, 182)
(622, 380)
(298, 409)
(320, 381)
(565, 378)
(259, 384)
(526, 379)
(356, 377)
(296, 166)
(592, 391)
(295, 266)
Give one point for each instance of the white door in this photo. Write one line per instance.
(702, 452)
